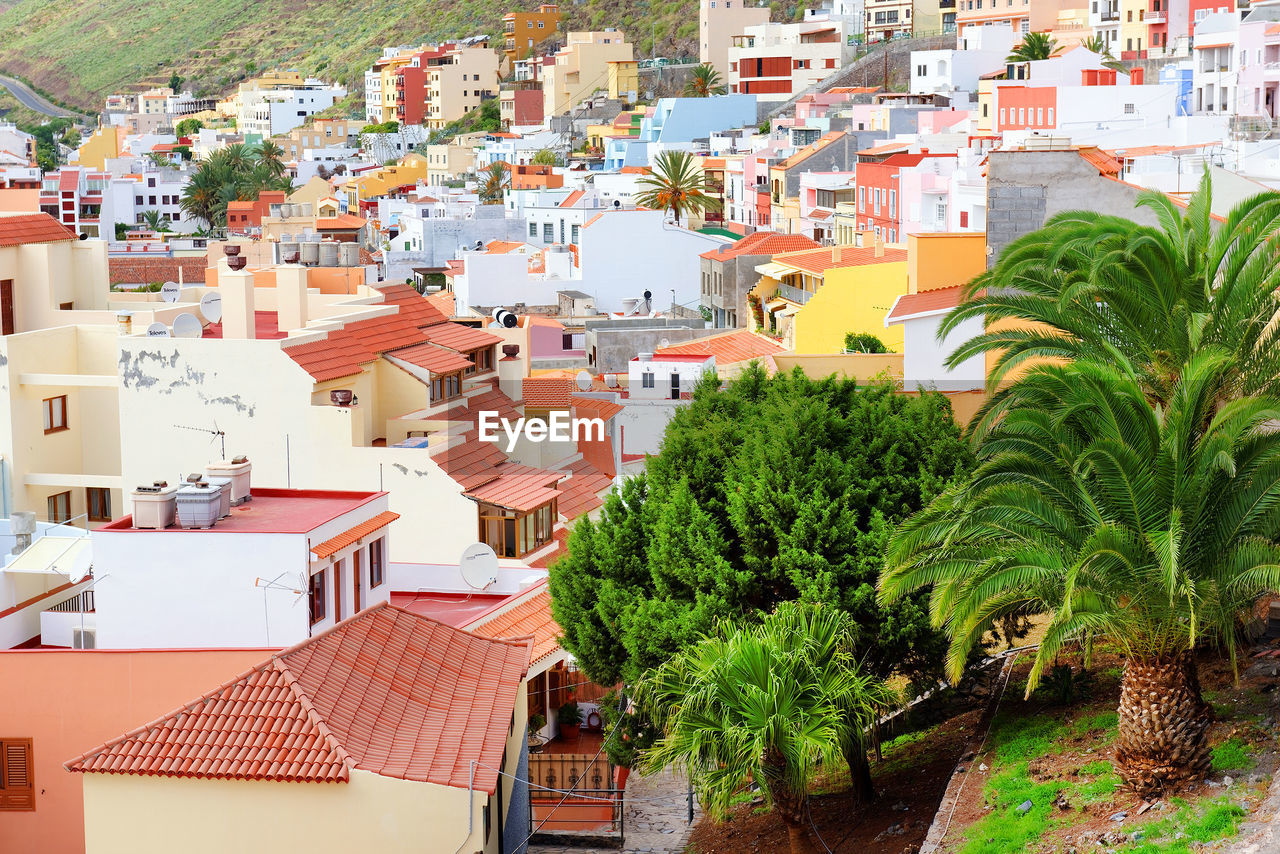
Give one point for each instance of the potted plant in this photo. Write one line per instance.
(630, 733)
(536, 723)
(569, 717)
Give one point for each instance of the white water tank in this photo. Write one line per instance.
(239, 470)
(310, 253)
(154, 506)
(328, 254)
(350, 254)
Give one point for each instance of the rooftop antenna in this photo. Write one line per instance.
(584, 381)
(479, 566)
(218, 435)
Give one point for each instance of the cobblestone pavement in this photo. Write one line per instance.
(656, 821)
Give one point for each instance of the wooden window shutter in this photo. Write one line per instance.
(17, 788)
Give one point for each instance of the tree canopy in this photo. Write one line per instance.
(770, 490)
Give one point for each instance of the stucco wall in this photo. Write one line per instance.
(852, 299)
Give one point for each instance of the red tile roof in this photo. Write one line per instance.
(740, 345)
(435, 359)
(386, 691)
(493, 401)
(547, 392)
(519, 488)
(572, 199)
(818, 261)
(32, 228)
(761, 243)
(341, 222)
(443, 302)
(333, 545)
(942, 299)
(459, 337)
(580, 492)
(471, 462)
(594, 407)
(529, 615)
(68, 180)
(810, 150)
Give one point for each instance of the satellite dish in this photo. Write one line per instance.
(665, 342)
(611, 380)
(169, 291)
(479, 566)
(648, 295)
(187, 326)
(584, 381)
(211, 307)
(157, 330)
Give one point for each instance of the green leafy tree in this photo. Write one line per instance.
(1089, 287)
(122, 230)
(154, 221)
(544, 157)
(494, 182)
(863, 342)
(186, 127)
(769, 490)
(236, 172)
(676, 185)
(1034, 46)
(175, 83)
(770, 703)
(704, 82)
(1150, 526)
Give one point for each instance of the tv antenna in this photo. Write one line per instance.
(218, 435)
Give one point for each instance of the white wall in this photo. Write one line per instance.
(924, 357)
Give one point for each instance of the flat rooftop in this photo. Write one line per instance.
(273, 511)
(453, 609)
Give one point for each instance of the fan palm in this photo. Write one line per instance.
(676, 185)
(1151, 526)
(704, 82)
(769, 703)
(1034, 46)
(497, 178)
(1103, 288)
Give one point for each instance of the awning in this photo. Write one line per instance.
(67, 556)
(774, 270)
(333, 545)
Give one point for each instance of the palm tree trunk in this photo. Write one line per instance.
(791, 807)
(864, 791)
(1163, 721)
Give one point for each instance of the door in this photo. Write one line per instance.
(6, 307)
(675, 386)
(337, 591)
(356, 562)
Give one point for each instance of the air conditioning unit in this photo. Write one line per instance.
(84, 638)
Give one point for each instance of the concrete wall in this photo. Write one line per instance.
(611, 345)
(924, 356)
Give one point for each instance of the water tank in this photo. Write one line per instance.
(287, 249)
(304, 209)
(310, 253)
(350, 254)
(290, 211)
(328, 254)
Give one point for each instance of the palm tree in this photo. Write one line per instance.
(1150, 526)
(1098, 45)
(769, 703)
(1105, 288)
(704, 83)
(497, 178)
(1034, 46)
(153, 220)
(675, 184)
(271, 157)
(202, 197)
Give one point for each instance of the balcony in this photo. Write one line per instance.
(1155, 18)
(793, 294)
(1110, 16)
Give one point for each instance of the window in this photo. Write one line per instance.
(512, 533)
(1051, 116)
(483, 359)
(1039, 115)
(316, 597)
(1128, 109)
(98, 500)
(862, 199)
(964, 219)
(893, 203)
(646, 380)
(55, 414)
(59, 507)
(573, 235)
(17, 788)
(548, 232)
(533, 229)
(377, 562)
(445, 386)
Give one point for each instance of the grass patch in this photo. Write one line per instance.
(1190, 826)
(1005, 829)
(1231, 755)
(1086, 724)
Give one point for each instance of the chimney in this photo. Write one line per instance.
(291, 296)
(879, 248)
(835, 254)
(236, 287)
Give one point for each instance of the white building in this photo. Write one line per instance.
(947, 72)
(662, 376)
(718, 22)
(1216, 64)
(923, 355)
(284, 565)
(274, 112)
(47, 567)
(776, 61)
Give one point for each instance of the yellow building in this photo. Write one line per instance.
(581, 68)
(624, 80)
(102, 144)
(449, 162)
(1133, 27)
(318, 134)
(522, 31)
(811, 299)
(411, 169)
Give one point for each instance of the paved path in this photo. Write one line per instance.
(656, 822)
(32, 101)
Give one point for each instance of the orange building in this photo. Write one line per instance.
(533, 176)
(523, 30)
(73, 700)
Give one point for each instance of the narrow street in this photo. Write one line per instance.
(656, 820)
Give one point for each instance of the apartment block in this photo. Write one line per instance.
(581, 68)
(522, 31)
(776, 61)
(718, 22)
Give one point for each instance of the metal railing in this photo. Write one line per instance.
(555, 773)
(81, 603)
(794, 294)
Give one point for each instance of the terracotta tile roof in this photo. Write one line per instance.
(594, 407)
(333, 545)
(341, 222)
(458, 337)
(634, 170)
(502, 247)
(546, 392)
(908, 305)
(529, 616)
(580, 492)
(819, 214)
(68, 180)
(740, 345)
(1100, 160)
(387, 691)
(471, 462)
(435, 359)
(886, 148)
(572, 199)
(818, 261)
(761, 243)
(561, 538)
(543, 320)
(443, 301)
(32, 228)
(493, 401)
(519, 488)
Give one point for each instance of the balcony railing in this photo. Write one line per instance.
(1154, 18)
(796, 295)
(584, 773)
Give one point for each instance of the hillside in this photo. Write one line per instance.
(81, 50)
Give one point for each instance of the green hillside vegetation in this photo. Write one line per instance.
(82, 50)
